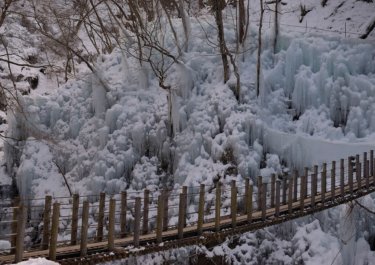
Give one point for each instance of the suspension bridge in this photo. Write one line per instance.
(98, 228)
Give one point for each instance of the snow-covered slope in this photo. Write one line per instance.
(316, 103)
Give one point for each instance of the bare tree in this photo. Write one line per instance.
(218, 6)
(276, 26)
(259, 45)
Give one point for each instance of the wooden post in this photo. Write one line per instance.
(123, 214)
(233, 203)
(54, 231)
(259, 199)
(364, 164)
(137, 221)
(185, 192)
(47, 221)
(306, 174)
(165, 214)
(303, 193)
(246, 198)
(350, 176)
(84, 228)
(366, 172)
(146, 202)
(21, 223)
(201, 210)
(111, 224)
(13, 239)
(264, 200)
(372, 163)
(99, 235)
(249, 204)
(273, 183)
(75, 208)
(357, 171)
(295, 187)
(333, 180)
(323, 182)
(181, 215)
(159, 218)
(217, 206)
(290, 196)
(342, 177)
(359, 186)
(284, 190)
(313, 189)
(315, 180)
(277, 201)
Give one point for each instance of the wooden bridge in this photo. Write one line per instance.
(91, 229)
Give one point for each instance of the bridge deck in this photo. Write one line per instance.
(171, 236)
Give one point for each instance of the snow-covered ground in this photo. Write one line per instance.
(316, 105)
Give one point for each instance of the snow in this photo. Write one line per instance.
(111, 131)
(38, 261)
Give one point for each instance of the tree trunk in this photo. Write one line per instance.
(241, 21)
(218, 6)
(276, 25)
(259, 44)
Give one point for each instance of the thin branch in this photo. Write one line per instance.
(364, 207)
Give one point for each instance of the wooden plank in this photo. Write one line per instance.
(54, 231)
(99, 235)
(295, 187)
(137, 221)
(372, 163)
(165, 214)
(306, 174)
(159, 219)
(146, 203)
(249, 204)
(246, 197)
(217, 206)
(123, 214)
(74, 225)
(201, 209)
(357, 168)
(21, 223)
(234, 203)
(313, 189)
(284, 187)
(111, 224)
(277, 199)
(264, 200)
(366, 174)
(333, 179)
(350, 175)
(273, 183)
(315, 180)
(323, 181)
(182, 214)
(342, 177)
(47, 221)
(303, 193)
(290, 195)
(13, 238)
(84, 228)
(259, 199)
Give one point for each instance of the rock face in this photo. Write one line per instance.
(33, 81)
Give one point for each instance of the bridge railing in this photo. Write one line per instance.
(131, 218)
